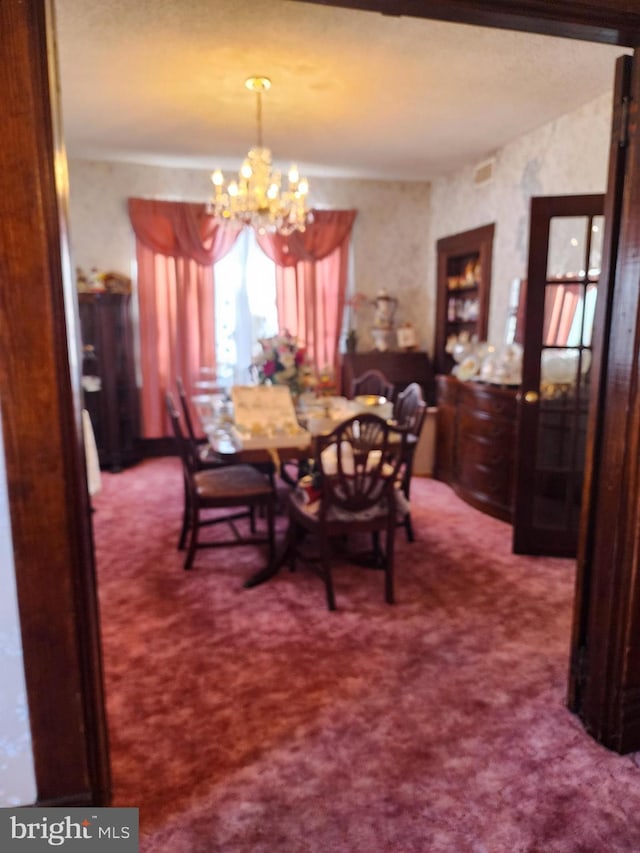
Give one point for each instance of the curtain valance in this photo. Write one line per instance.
(185, 229)
(327, 232)
(181, 230)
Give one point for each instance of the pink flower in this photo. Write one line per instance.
(282, 361)
(357, 301)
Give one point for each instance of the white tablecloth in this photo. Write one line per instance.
(94, 481)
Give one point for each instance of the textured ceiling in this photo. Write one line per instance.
(354, 93)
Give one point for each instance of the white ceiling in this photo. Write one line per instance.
(354, 93)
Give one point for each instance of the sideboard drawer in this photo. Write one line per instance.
(477, 438)
(494, 401)
(488, 454)
(497, 430)
(493, 482)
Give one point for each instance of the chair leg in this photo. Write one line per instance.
(388, 564)
(409, 528)
(378, 556)
(252, 519)
(271, 523)
(185, 517)
(293, 535)
(193, 540)
(326, 574)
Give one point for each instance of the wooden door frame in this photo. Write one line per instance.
(42, 437)
(607, 22)
(604, 685)
(40, 402)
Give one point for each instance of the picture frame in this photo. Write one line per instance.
(406, 336)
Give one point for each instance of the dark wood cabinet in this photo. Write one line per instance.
(109, 386)
(476, 443)
(463, 289)
(400, 368)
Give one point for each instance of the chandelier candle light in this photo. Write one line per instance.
(256, 196)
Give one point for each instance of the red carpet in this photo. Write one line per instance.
(255, 720)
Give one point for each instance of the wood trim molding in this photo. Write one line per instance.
(39, 395)
(607, 22)
(607, 622)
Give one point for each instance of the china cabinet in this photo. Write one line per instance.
(518, 452)
(463, 289)
(109, 387)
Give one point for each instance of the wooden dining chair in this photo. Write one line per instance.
(409, 413)
(372, 382)
(238, 487)
(357, 465)
(206, 457)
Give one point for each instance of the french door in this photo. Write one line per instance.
(565, 253)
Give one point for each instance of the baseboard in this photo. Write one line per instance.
(151, 448)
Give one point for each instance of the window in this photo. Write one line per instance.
(245, 307)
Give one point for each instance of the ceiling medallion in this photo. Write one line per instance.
(256, 197)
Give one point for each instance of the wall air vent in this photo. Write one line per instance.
(483, 173)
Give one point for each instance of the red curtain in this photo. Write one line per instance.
(561, 303)
(311, 282)
(176, 247)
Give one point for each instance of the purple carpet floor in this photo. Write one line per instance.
(255, 720)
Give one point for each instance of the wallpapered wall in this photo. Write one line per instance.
(17, 775)
(390, 236)
(398, 223)
(568, 156)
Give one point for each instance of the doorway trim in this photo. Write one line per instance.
(54, 559)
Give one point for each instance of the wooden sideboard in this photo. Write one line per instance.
(476, 443)
(400, 368)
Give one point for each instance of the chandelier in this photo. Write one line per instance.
(256, 197)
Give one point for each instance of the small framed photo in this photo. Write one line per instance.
(406, 335)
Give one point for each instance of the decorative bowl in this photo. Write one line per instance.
(370, 400)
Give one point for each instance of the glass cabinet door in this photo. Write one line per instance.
(564, 266)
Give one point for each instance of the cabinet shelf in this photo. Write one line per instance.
(458, 291)
(460, 257)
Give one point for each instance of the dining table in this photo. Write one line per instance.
(256, 427)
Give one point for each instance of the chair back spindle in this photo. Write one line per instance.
(372, 382)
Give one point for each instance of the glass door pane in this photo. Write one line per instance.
(568, 238)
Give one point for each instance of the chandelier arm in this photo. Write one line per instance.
(259, 117)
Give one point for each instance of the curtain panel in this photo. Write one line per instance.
(311, 282)
(177, 244)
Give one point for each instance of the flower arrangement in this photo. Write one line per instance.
(355, 304)
(283, 361)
